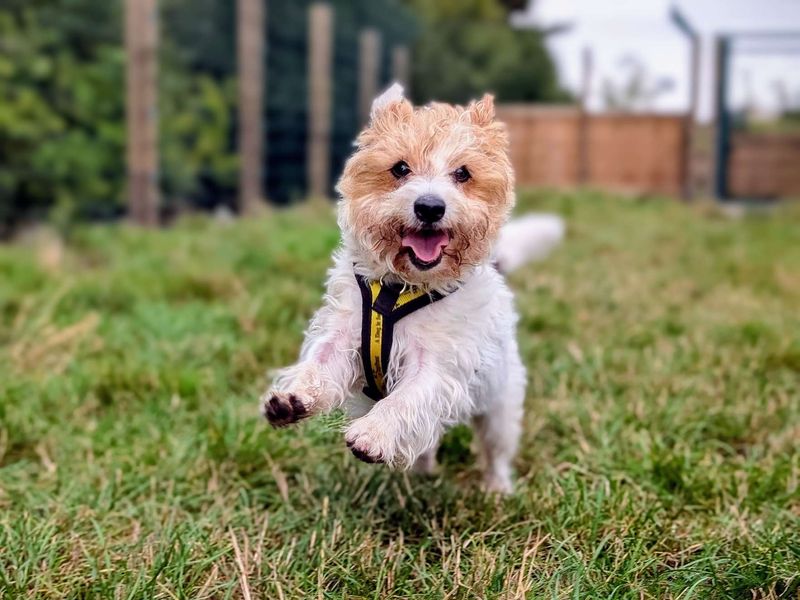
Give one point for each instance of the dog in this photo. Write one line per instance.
(417, 331)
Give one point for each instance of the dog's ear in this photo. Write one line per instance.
(482, 111)
(390, 101)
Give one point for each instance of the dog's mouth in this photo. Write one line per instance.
(425, 247)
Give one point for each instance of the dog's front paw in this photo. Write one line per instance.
(283, 408)
(368, 441)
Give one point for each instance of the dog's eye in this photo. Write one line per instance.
(462, 174)
(400, 169)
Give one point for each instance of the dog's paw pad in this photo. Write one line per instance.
(370, 439)
(282, 409)
(363, 453)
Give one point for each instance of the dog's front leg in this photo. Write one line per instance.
(410, 420)
(318, 383)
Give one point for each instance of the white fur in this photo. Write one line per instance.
(394, 93)
(528, 238)
(452, 362)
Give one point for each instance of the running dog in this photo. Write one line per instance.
(417, 331)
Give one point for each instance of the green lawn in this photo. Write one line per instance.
(661, 455)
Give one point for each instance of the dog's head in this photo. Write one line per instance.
(427, 189)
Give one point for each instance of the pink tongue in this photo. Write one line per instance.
(426, 246)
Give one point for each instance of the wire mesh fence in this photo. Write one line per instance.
(203, 34)
(287, 76)
(63, 91)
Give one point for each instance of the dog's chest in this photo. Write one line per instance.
(449, 327)
(461, 334)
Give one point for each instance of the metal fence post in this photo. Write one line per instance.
(683, 24)
(584, 119)
(722, 145)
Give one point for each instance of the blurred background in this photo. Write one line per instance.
(139, 315)
(148, 108)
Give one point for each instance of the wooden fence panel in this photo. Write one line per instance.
(764, 165)
(639, 153)
(544, 143)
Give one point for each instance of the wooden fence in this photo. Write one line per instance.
(562, 147)
(764, 165)
(295, 127)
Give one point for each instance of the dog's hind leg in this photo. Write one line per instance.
(498, 431)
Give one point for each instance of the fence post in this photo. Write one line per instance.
(369, 51)
(584, 119)
(320, 37)
(689, 142)
(687, 148)
(141, 88)
(250, 43)
(401, 67)
(722, 118)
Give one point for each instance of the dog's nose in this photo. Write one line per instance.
(429, 208)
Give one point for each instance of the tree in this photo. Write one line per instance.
(467, 47)
(62, 135)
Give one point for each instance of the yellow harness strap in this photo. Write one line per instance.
(382, 306)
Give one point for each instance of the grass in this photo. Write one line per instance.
(661, 456)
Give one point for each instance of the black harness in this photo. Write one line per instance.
(382, 306)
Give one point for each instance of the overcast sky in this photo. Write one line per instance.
(642, 28)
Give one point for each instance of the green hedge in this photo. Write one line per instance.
(62, 136)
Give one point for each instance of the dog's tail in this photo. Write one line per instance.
(528, 238)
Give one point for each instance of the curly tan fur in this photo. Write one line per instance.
(377, 209)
